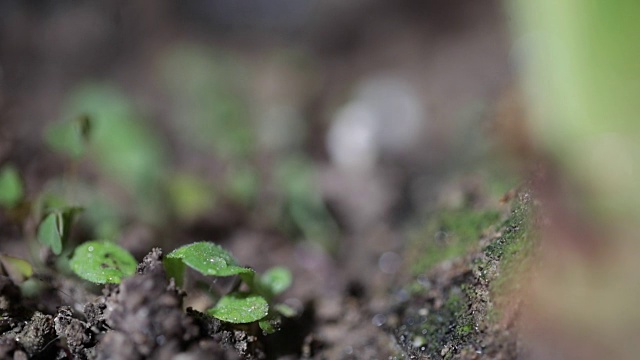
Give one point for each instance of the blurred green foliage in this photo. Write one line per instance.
(207, 90)
(101, 129)
(275, 281)
(11, 189)
(117, 141)
(190, 195)
(242, 184)
(582, 78)
(303, 207)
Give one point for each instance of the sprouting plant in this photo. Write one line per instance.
(239, 306)
(54, 228)
(105, 262)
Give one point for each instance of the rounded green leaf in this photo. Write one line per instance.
(102, 262)
(11, 190)
(209, 259)
(276, 280)
(240, 308)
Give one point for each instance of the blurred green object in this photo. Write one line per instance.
(275, 281)
(99, 121)
(190, 195)
(582, 81)
(243, 184)
(582, 77)
(65, 137)
(208, 90)
(11, 191)
(18, 270)
(304, 206)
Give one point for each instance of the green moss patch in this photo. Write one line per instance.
(450, 234)
(455, 313)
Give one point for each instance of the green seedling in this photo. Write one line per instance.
(237, 306)
(11, 190)
(102, 262)
(54, 228)
(105, 262)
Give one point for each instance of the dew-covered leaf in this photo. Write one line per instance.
(209, 259)
(240, 308)
(102, 262)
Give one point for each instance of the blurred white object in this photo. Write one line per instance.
(385, 118)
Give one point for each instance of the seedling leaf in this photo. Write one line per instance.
(54, 229)
(276, 280)
(269, 326)
(209, 259)
(174, 268)
(11, 190)
(50, 232)
(240, 308)
(102, 262)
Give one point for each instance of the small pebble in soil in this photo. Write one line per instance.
(379, 319)
(418, 341)
(402, 296)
